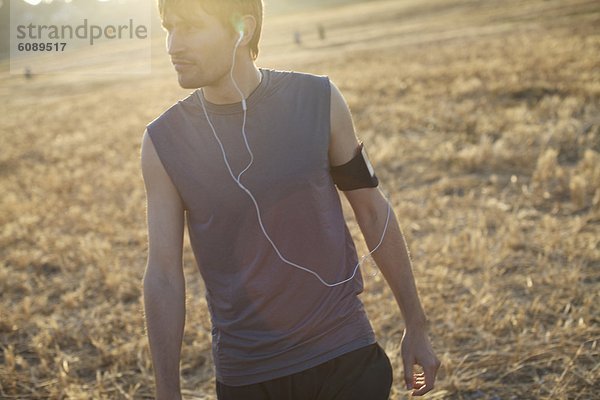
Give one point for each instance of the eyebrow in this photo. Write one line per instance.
(192, 20)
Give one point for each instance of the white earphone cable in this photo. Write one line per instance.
(245, 189)
(244, 106)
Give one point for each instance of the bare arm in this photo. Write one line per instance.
(164, 284)
(392, 257)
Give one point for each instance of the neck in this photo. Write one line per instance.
(246, 75)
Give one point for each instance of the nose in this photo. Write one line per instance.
(175, 43)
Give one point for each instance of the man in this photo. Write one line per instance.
(250, 161)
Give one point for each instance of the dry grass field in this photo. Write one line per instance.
(482, 119)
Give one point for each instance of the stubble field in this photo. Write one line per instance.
(482, 119)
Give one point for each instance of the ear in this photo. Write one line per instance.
(247, 25)
(238, 25)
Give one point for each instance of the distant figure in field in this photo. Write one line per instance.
(321, 30)
(251, 162)
(297, 38)
(27, 73)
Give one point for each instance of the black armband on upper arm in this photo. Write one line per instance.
(356, 173)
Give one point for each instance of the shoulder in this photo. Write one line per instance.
(300, 80)
(171, 116)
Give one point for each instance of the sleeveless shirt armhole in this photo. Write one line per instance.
(327, 87)
(161, 157)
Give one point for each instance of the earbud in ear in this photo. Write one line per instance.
(239, 27)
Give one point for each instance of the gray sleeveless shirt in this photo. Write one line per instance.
(269, 319)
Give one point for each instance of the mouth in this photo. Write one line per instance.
(181, 65)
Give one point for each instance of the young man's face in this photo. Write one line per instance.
(201, 48)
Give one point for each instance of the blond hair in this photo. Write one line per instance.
(226, 11)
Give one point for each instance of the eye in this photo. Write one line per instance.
(185, 27)
(190, 27)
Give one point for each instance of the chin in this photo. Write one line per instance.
(188, 80)
(187, 83)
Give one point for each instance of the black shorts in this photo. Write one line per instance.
(361, 374)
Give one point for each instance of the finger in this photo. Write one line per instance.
(430, 372)
(418, 378)
(422, 390)
(418, 384)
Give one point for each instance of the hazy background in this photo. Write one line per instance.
(60, 10)
(482, 120)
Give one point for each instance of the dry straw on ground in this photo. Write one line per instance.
(483, 121)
